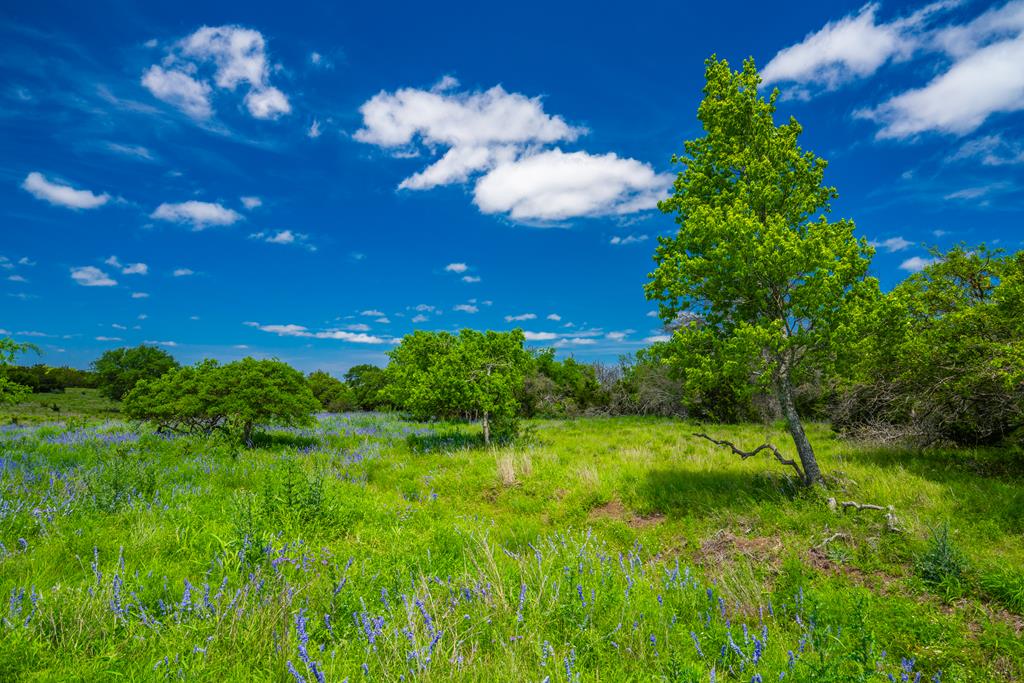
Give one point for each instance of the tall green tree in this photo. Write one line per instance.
(118, 370)
(367, 383)
(764, 274)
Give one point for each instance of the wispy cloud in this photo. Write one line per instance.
(60, 194)
(292, 330)
(200, 215)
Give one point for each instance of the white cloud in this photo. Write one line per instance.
(284, 237)
(26, 261)
(657, 338)
(383, 320)
(140, 295)
(183, 272)
(425, 308)
(372, 313)
(465, 308)
(652, 314)
(962, 40)
(992, 150)
(915, 264)
(91, 276)
(269, 103)
(978, 192)
(554, 316)
(420, 318)
(129, 268)
(575, 341)
(239, 57)
(470, 278)
(16, 278)
(618, 336)
(251, 202)
(555, 185)
(155, 342)
(292, 330)
(314, 130)
(358, 327)
(108, 339)
(116, 326)
(456, 268)
(137, 151)
(629, 239)
(848, 49)
(60, 194)
(539, 336)
(478, 128)
(520, 317)
(200, 214)
(180, 90)
(892, 244)
(142, 316)
(956, 102)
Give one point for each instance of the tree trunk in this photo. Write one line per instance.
(487, 429)
(247, 434)
(812, 474)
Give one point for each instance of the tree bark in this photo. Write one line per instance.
(812, 473)
(247, 434)
(487, 429)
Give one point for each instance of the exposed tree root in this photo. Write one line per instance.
(749, 454)
(890, 512)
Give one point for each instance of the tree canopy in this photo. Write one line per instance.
(11, 391)
(118, 370)
(474, 375)
(760, 275)
(236, 398)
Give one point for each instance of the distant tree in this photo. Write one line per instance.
(476, 375)
(118, 370)
(556, 388)
(11, 391)
(367, 382)
(333, 395)
(768, 275)
(941, 356)
(237, 398)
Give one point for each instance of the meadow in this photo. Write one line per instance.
(369, 548)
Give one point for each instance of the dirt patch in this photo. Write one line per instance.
(614, 509)
(725, 545)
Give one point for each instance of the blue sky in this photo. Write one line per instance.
(314, 182)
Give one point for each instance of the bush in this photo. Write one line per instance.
(235, 398)
(333, 395)
(942, 565)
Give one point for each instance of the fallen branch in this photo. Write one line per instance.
(749, 454)
(890, 512)
(835, 537)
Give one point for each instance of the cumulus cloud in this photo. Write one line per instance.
(554, 316)
(539, 336)
(629, 239)
(200, 215)
(420, 318)
(128, 268)
(465, 308)
(183, 272)
(479, 129)
(575, 341)
(893, 244)
(292, 330)
(958, 101)
(284, 237)
(555, 185)
(238, 57)
(915, 264)
(657, 338)
(251, 202)
(853, 47)
(456, 268)
(60, 194)
(520, 317)
(179, 90)
(91, 276)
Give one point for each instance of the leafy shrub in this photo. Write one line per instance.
(119, 479)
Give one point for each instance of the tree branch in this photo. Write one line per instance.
(749, 454)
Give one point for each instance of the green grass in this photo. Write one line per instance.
(556, 557)
(71, 403)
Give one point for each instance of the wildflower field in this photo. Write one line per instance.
(373, 549)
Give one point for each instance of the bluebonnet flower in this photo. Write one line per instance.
(696, 644)
(522, 600)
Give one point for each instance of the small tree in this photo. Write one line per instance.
(755, 259)
(367, 384)
(118, 370)
(471, 375)
(236, 398)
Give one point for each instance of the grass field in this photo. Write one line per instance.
(70, 403)
(618, 549)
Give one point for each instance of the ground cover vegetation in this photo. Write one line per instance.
(811, 480)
